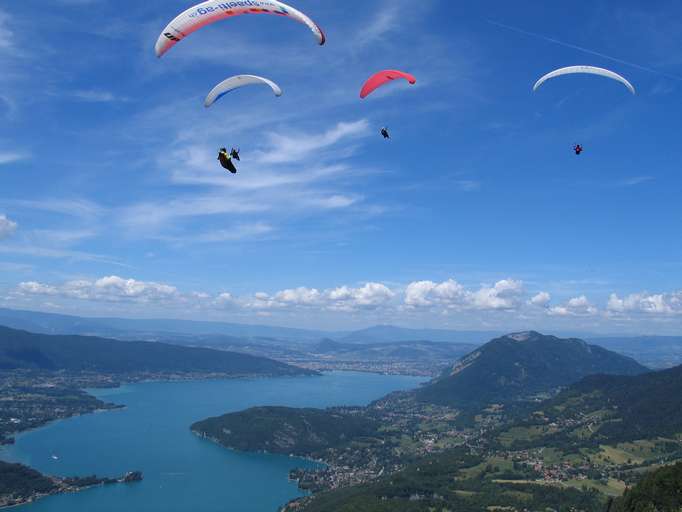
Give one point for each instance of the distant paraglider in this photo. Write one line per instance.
(384, 133)
(578, 149)
(211, 11)
(237, 82)
(590, 70)
(382, 78)
(225, 160)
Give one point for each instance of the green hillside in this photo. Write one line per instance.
(24, 350)
(285, 430)
(523, 364)
(659, 491)
(19, 482)
(625, 408)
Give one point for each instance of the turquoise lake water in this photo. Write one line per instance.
(181, 471)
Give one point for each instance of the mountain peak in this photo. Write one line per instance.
(523, 336)
(522, 364)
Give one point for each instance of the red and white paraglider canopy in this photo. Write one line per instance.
(211, 11)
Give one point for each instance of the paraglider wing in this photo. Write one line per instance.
(591, 70)
(382, 78)
(227, 163)
(211, 11)
(236, 82)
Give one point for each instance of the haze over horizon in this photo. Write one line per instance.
(476, 215)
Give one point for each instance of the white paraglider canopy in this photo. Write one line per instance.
(211, 11)
(591, 70)
(236, 82)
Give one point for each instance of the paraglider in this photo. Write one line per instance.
(578, 149)
(384, 132)
(211, 11)
(382, 78)
(590, 70)
(237, 82)
(225, 159)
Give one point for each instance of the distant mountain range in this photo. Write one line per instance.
(385, 333)
(24, 350)
(652, 351)
(158, 329)
(522, 364)
(148, 329)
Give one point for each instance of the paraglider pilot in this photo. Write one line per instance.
(384, 132)
(578, 149)
(226, 161)
(235, 154)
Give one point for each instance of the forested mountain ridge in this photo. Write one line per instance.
(285, 430)
(21, 350)
(659, 491)
(522, 364)
(623, 408)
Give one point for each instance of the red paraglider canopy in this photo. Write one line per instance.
(382, 78)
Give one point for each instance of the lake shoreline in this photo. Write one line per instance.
(155, 415)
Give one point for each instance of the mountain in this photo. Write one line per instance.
(152, 329)
(652, 351)
(390, 333)
(522, 364)
(660, 490)
(24, 350)
(637, 407)
(160, 329)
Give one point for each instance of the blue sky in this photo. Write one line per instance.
(476, 215)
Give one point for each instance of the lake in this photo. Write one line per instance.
(181, 471)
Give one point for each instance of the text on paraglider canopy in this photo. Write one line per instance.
(226, 6)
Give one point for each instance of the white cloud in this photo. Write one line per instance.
(273, 186)
(541, 299)
(69, 207)
(97, 96)
(385, 21)
(489, 304)
(428, 293)
(369, 296)
(34, 288)
(577, 306)
(9, 157)
(503, 295)
(297, 147)
(7, 227)
(105, 289)
(334, 202)
(344, 298)
(298, 297)
(652, 304)
(6, 35)
(636, 180)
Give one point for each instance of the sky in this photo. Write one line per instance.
(475, 215)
